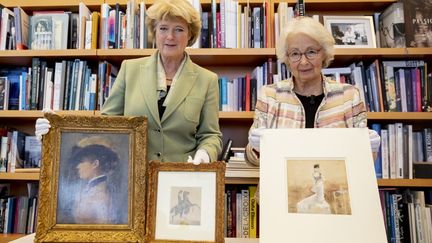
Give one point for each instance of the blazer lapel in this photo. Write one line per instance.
(182, 87)
(149, 87)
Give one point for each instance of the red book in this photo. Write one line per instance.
(247, 92)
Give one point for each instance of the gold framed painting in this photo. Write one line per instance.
(93, 180)
(186, 202)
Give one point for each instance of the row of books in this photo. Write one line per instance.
(402, 86)
(18, 150)
(399, 85)
(62, 85)
(403, 151)
(18, 214)
(241, 212)
(407, 215)
(249, 26)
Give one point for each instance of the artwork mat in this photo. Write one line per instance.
(351, 145)
(182, 170)
(367, 21)
(134, 231)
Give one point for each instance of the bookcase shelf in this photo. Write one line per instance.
(30, 176)
(240, 178)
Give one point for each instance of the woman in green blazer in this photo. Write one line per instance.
(179, 98)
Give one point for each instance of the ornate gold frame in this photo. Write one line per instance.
(48, 230)
(156, 167)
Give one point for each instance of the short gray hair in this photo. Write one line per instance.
(313, 29)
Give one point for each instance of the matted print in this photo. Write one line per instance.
(186, 202)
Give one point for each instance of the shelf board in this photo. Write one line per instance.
(399, 116)
(24, 57)
(201, 56)
(347, 7)
(4, 238)
(229, 115)
(405, 182)
(30, 176)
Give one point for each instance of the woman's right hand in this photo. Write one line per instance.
(42, 125)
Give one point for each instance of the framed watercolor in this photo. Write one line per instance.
(326, 180)
(351, 31)
(186, 202)
(93, 180)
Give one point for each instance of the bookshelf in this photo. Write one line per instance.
(223, 61)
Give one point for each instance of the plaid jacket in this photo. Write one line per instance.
(279, 107)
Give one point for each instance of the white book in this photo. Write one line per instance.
(49, 89)
(410, 150)
(131, 12)
(385, 154)
(83, 15)
(399, 150)
(143, 29)
(231, 24)
(58, 70)
(412, 222)
(6, 17)
(88, 34)
(392, 150)
(105, 9)
(3, 153)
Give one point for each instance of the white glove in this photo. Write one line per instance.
(201, 156)
(375, 140)
(42, 125)
(255, 136)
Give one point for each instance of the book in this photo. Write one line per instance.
(418, 27)
(392, 26)
(226, 150)
(22, 26)
(32, 152)
(42, 32)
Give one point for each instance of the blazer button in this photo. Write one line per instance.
(159, 154)
(158, 130)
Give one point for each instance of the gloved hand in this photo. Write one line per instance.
(255, 136)
(42, 125)
(375, 140)
(201, 156)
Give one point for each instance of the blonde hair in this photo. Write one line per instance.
(312, 28)
(167, 9)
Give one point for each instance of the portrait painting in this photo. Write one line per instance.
(93, 182)
(351, 31)
(186, 202)
(317, 186)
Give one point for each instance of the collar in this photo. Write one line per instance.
(161, 77)
(97, 180)
(288, 84)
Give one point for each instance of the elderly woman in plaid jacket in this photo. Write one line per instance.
(307, 99)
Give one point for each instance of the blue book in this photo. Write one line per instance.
(378, 161)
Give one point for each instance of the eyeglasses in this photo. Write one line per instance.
(310, 54)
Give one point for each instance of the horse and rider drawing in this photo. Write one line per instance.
(184, 211)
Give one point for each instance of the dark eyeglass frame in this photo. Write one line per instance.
(310, 54)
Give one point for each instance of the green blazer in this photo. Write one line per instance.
(191, 118)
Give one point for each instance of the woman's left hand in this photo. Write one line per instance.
(201, 156)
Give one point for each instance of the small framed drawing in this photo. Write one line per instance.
(93, 180)
(186, 202)
(351, 31)
(326, 180)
